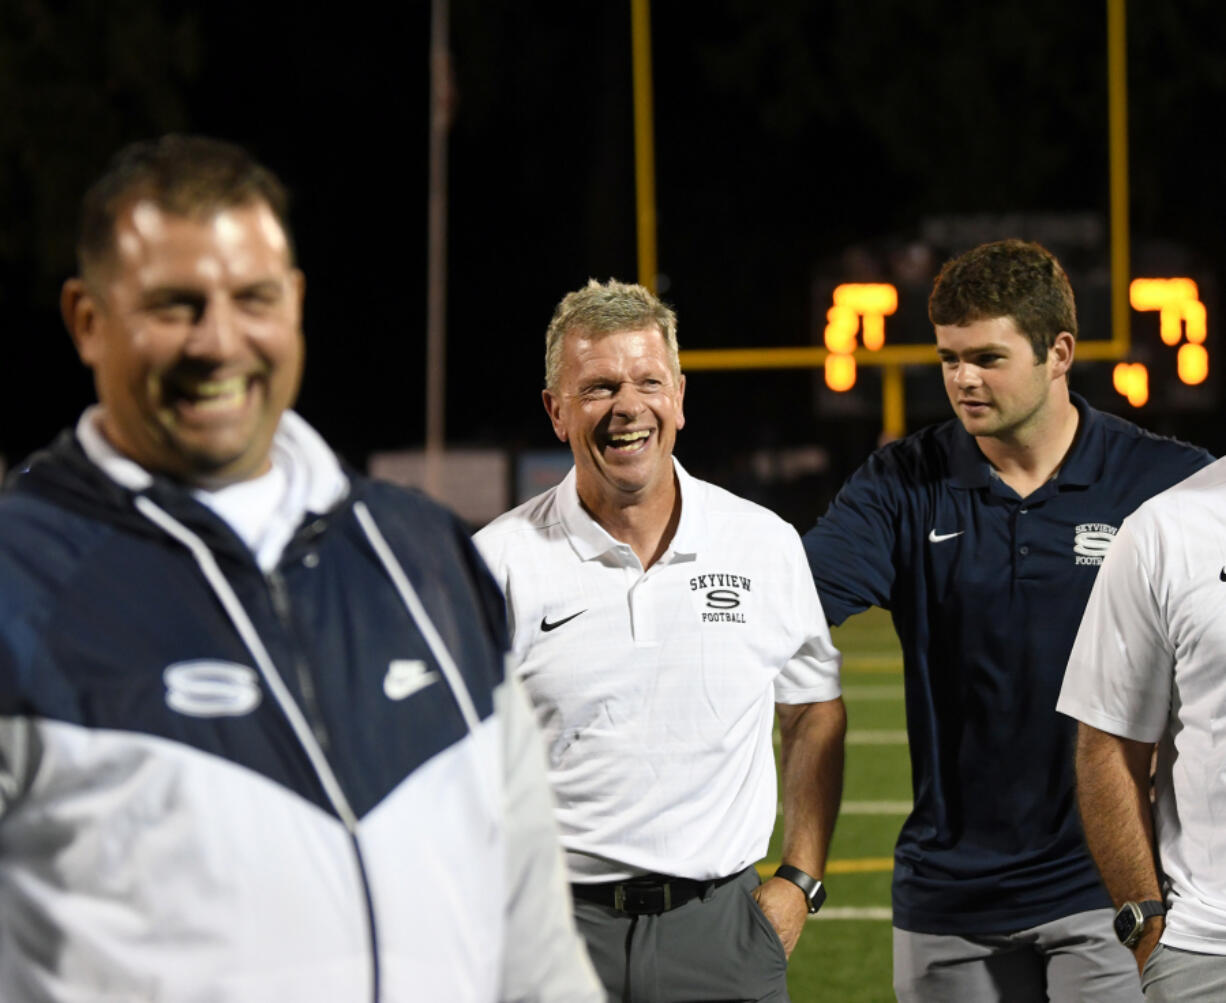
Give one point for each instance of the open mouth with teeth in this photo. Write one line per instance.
(629, 442)
(204, 397)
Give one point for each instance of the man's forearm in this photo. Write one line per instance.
(811, 738)
(1113, 796)
(812, 766)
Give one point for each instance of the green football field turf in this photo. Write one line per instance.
(844, 954)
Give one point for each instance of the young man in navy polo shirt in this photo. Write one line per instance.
(982, 536)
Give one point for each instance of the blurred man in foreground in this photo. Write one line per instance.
(255, 740)
(659, 623)
(982, 536)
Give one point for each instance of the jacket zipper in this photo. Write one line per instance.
(306, 685)
(306, 682)
(303, 728)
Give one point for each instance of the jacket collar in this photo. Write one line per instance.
(296, 447)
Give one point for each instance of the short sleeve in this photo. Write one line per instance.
(1120, 670)
(812, 673)
(851, 549)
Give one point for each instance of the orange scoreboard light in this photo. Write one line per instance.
(861, 306)
(1181, 315)
(1131, 380)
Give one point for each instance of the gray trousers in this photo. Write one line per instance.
(712, 950)
(1174, 975)
(1076, 957)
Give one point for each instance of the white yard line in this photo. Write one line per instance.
(875, 808)
(877, 737)
(854, 912)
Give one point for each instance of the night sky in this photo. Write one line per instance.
(798, 143)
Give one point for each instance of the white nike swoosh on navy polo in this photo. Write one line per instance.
(935, 537)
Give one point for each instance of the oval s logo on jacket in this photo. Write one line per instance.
(208, 688)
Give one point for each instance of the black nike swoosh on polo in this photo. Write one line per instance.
(546, 625)
(1222, 574)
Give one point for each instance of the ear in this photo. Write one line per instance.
(1060, 355)
(83, 317)
(553, 408)
(681, 402)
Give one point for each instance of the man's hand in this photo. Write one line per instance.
(1144, 947)
(786, 907)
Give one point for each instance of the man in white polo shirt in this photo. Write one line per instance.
(659, 623)
(1146, 670)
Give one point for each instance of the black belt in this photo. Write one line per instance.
(652, 893)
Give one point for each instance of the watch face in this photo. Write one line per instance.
(819, 896)
(1124, 923)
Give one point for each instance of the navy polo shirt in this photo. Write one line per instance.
(986, 590)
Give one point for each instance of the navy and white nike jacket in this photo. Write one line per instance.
(220, 784)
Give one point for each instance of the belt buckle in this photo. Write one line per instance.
(643, 900)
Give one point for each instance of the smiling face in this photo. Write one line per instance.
(193, 332)
(618, 403)
(997, 387)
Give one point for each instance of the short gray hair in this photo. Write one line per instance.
(606, 308)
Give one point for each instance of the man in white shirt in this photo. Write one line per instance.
(658, 623)
(1146, 672)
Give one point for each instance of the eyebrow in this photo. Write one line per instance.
(168, 295)
(271, 284)
(974, 349)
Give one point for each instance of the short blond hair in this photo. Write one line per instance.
(605, 308)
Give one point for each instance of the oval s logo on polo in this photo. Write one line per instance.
(209, 688)
(1091, 541)
(723, 599)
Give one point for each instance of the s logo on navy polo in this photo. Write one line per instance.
(1091, 541)
(209, 688)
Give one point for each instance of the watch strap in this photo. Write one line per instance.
(1150, 907)
(814, 890)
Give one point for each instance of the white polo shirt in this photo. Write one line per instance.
(656, 689)
(1149, 664)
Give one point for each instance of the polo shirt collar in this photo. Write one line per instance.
(1088, 457)
(591, 540)
(969, 468)
(692, 527)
